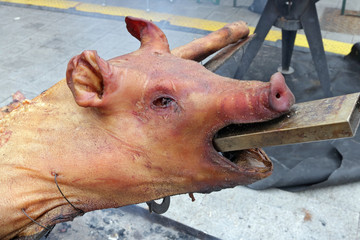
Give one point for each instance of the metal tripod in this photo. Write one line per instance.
(290, 16)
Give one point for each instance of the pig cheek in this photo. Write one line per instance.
(122, 100)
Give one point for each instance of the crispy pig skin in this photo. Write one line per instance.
(17, 99)
(131, 129)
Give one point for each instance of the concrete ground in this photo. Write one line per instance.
(35, 46)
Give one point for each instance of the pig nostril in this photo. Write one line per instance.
(280, 96)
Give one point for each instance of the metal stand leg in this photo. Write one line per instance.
(266, 21)
(310, 23)
(288, 40)
(343, 7)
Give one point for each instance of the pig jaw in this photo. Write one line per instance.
(240, 168)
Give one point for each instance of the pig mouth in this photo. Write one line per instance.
(250, 160)
(253, 162)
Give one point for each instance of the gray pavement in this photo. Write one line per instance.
(35, 46)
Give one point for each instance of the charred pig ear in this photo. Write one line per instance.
(85, 77)
(150, 36)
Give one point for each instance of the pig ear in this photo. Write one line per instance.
(85, 77)
(148, 34)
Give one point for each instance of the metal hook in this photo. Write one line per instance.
(81, 212)
(159, 208)
(47, 230)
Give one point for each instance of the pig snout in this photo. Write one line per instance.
(254, 101)
(280, 96)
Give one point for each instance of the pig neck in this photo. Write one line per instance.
(35, 152)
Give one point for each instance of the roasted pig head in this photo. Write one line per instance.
(165, 111)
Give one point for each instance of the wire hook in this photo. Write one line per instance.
(81, 212)
(159, 208)
(47, 230)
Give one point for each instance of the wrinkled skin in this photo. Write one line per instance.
(140, 128)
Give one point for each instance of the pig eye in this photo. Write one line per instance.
(163, 102)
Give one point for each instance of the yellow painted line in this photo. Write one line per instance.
(46, 3)
(198, 23)
(337, 47)
(301, 41)
(181, 21)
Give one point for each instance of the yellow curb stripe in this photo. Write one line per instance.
(121, 11)
(181, 21)
(337, 47)
(198, 23)
(45, 3)
(301, 41)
